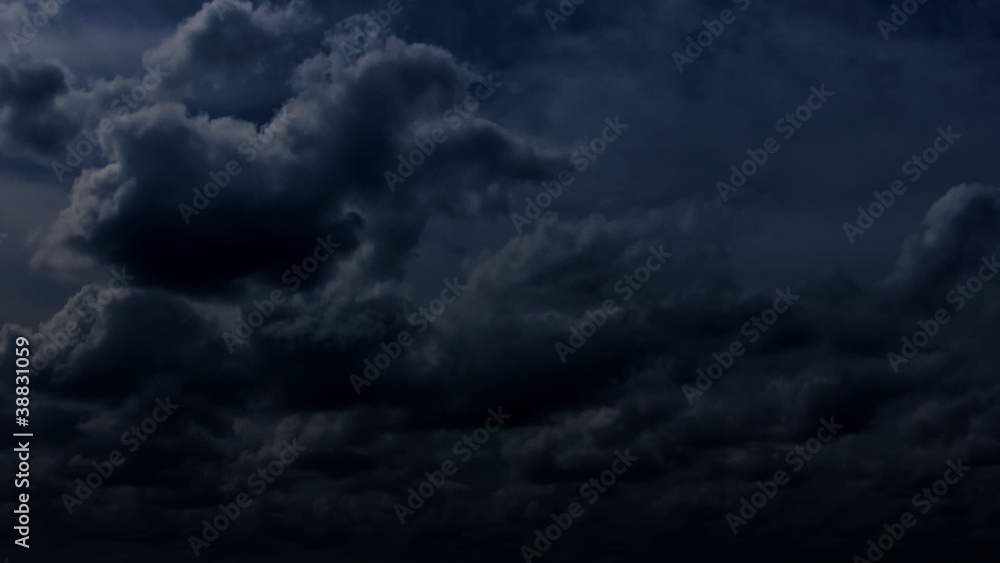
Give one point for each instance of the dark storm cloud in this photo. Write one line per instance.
(345, 124)
(29, 115)
(333, 127)
(560, 436)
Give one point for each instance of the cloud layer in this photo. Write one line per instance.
(232, 243)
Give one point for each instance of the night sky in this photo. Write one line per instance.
(445, 281)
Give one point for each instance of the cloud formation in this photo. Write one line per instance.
(263, 143)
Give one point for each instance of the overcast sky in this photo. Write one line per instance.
(488, 252)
